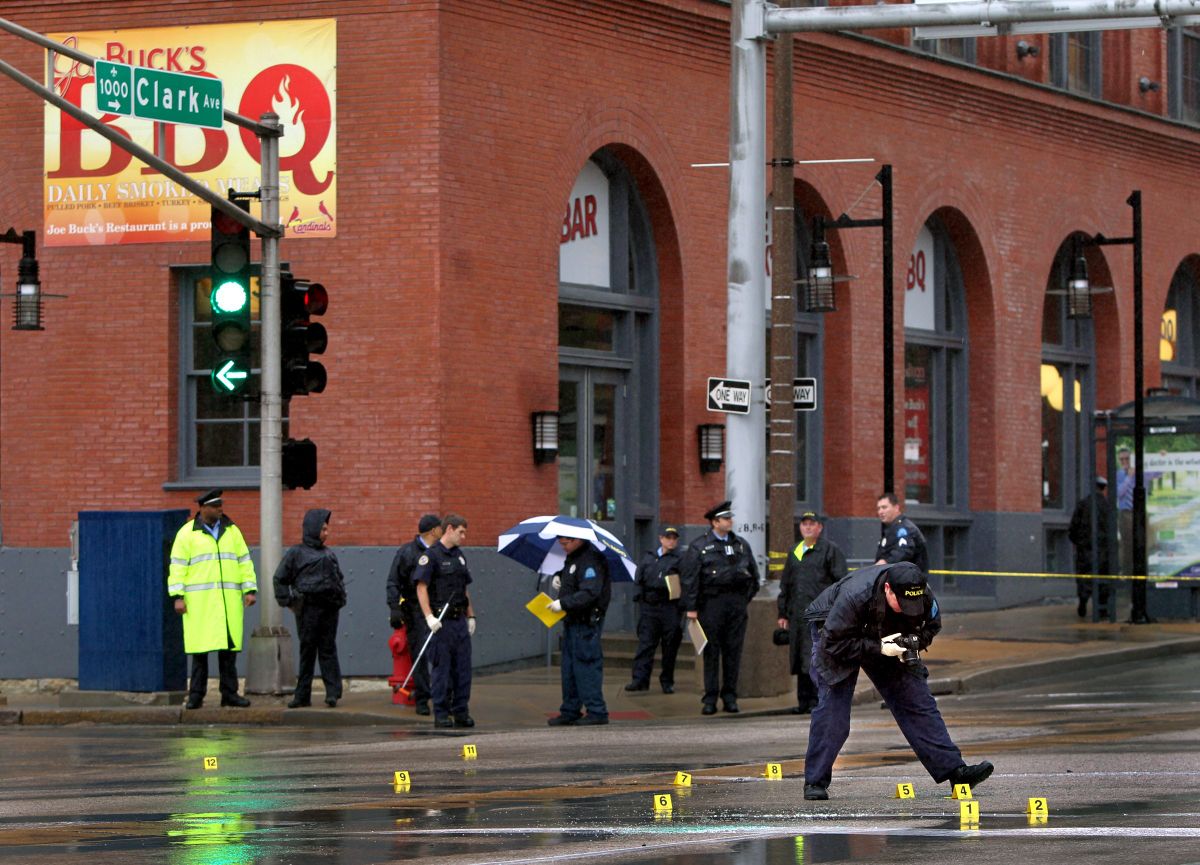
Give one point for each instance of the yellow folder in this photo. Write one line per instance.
(673, 591)
(696, 635)
(540, 607)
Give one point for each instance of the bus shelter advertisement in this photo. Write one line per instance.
(1172, 479)
(97, 194)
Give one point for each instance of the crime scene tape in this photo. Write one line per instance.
(1156, 578)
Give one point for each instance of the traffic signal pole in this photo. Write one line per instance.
(270, 663)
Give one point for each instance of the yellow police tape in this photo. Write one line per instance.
(1043, 576)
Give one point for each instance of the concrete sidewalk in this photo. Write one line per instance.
(976, 651)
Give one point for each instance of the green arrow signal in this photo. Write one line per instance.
(229, 377)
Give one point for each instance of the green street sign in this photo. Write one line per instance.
(229, 376)
(153, 94)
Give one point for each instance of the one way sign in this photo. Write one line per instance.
(729, 395)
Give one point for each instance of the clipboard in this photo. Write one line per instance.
(673, 587)
(540, 607)
(696, 635)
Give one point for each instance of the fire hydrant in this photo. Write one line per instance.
(401, 667)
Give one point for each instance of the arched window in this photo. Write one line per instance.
(607, 354)
(1179, 344)
(935, 393)
(1068, 399)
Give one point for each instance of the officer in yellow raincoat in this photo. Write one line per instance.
(212, 580)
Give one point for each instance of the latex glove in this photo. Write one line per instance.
(434, 625)
(889, 647)
(556, 606)
(470, 626)
(556, 582)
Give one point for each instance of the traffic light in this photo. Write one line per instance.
(299, 463)
(230, 301)
(300, 300)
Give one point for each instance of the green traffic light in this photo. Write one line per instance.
(229, 375)
(229, 297)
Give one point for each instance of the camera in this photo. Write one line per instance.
(912, 645)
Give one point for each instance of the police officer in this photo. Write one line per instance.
(812, 565)
(584, 593)
(720, 577)
(441, 578)
(212, 579)
(1089, 510)
(659, 615)
(899, 538)
(849, 621)
(406, 610)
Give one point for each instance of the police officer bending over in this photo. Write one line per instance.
(585, 591)
(878, 618)
(720, 577)
(441, 578)
(659, 615)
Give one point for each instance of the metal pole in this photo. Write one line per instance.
(1140, 565)
(745, 448)
(889, 360)
(782, 462)
(270, 668)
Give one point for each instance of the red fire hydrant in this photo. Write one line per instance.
(401, 667)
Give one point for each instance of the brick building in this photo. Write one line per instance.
(462, 301)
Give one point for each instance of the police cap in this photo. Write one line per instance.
(724, 509)
(909, 586)
(212, 497)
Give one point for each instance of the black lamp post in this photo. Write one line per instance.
(1138, 614)
(819, 297)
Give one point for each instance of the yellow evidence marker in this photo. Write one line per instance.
(210, 764)
(469, 752)
(774, 771)
(662, 804)
(683, 779)
(401, 779)
(968, 811)
(905, 791)
(1037, 805)
(961, 791)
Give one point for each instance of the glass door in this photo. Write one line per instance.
(591, 434)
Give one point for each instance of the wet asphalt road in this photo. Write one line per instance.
(1117, 759)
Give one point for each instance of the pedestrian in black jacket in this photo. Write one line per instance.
(813, 565)
(856, 623)
(1094, 509)
(310, 581)
(659, 615)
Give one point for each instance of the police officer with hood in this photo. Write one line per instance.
(877, 620)
(309, 580)
(720, 577)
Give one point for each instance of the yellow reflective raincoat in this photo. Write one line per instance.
(211, 575)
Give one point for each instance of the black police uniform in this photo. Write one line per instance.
(848, 620)
(584, 592)
(659, 619)
(445, 574)
(902, 541)
(406, 612)
(720, 577)
(807, 572)
(1080, 534)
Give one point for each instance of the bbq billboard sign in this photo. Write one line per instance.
(96, 194)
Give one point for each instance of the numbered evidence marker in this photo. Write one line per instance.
(210, 764)
(469, 752)
(961, 791)
(774, 772)
(1037, 809)
(401, 780)
(968, 811)
(683, 779)
(905, 791)
(662, 804)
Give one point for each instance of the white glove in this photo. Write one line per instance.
(889, 647)
(556, 606)
(470, 626)
(556, 582)
(434, 625)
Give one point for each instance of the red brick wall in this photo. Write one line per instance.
(461, 128)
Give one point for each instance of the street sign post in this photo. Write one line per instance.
(729, 395)
(154, 94)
